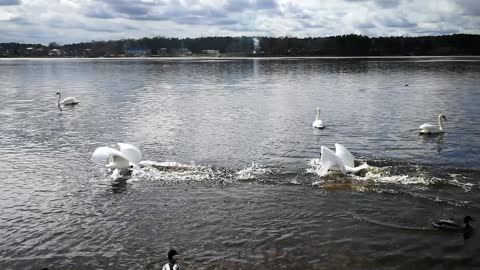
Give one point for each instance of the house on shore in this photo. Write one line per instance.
(137, 52)
(55, 52)
(183, 52)
(211, 52)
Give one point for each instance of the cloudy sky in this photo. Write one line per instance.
(70, 21)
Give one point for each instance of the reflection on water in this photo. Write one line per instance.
(226, 179)
(433, 139)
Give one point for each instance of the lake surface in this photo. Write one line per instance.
(240, 191)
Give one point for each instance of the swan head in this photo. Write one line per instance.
(171, 255)
(58, 93)
(443, 117)
(467, 219)
(318, 109)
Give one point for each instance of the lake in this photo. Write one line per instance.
(229, 177)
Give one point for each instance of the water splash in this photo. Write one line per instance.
(180, 172)
(403, 174)
(252, 172)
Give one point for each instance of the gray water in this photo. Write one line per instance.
(243, 192)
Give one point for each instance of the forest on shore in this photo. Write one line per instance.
(344, 45)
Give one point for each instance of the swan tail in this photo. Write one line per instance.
(357, 169)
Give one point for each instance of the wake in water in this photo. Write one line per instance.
(179, 172)
(391, 172)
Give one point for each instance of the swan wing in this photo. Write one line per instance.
(427, 126)
(317, 124)
(345, 156)
(131, 152)
(69, 100)
(329, 161)
(101, 155)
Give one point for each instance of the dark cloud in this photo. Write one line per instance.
(397, 22)
(175, 12)
(242, 5)
(237, 5)
(99, 13)
(105, 9)
(265, 4)
(387, 3)
(380, 3)
(10, 2)
(470, 7)
(367, 25)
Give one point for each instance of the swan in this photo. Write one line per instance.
(445, 224)
(66, 101)
(431, 129)
(127, 156)
(340, 160)
(318, 123)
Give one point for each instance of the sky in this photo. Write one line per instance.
(73, 21)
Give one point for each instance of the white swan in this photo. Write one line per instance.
(126, 157)
(430, 129)
(66, 101)
(342, 161)
(318, 123)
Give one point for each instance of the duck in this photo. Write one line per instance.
(450, 225)
(318, 123)
(432, 129)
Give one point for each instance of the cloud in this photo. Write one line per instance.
(469, 7)
(388, 3)
(67, 21)
(9, 2)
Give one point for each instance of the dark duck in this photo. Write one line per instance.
(445, 224)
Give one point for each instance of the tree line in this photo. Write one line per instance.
(344, 45)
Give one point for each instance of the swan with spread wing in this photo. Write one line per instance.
(127, 156)
(340, 160)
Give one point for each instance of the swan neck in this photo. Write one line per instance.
(58, 103)
(318, 115)
(440, 123)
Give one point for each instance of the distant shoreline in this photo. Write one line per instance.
(334, 46)
(226, 57)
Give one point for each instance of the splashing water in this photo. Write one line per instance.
(252, 172)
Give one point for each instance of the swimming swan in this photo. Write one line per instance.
(66, 101)
(431, 129)
(126, 157)
(318, 123)
(445, 224)
(342, 160)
